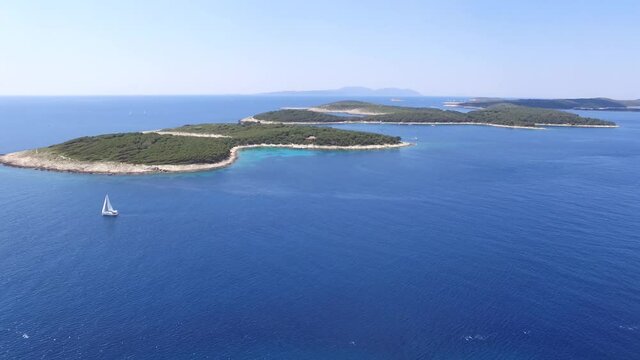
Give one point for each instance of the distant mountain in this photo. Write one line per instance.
(349, 91)
(630, 102)
(561, 104)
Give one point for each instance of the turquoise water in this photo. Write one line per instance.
(476, 243)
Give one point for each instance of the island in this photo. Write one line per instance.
(559, 104)
(349, 91)
(501, 115)
(188, 148)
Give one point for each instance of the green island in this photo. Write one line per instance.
(210, 146)
(507, 115)
(560, 104)
(188, 148)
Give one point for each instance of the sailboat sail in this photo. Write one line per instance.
(108, 204)
(107, 209)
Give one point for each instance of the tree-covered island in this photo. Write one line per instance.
(210, 146)
(507, 115)
(558, 104)
(188, 148)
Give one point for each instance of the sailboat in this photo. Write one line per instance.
(107, 209)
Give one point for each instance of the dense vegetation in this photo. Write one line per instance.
(155, 149)
(249, 134)
(421, 115)
(502, 114)
(513, 115)
(151, 149)
(563, 104)
(294, 115)
(404, 115)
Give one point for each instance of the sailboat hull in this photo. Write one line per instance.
(110, 213)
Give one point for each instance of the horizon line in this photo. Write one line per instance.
(270, 94)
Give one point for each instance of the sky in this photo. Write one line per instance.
(538, 48)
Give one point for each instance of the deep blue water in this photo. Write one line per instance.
(477, 243)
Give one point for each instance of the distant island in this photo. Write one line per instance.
(350, 91)
(559, 104)
(188, 148)
(502, 115)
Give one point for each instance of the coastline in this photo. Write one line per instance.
(583, 126)
(537, 127)
(252, 119)
(45, 160)
(184, 133)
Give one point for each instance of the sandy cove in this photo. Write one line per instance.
(45, 160)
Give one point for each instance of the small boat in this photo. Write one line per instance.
(107, 209)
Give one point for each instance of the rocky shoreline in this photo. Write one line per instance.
(537, 127)
(47, 160)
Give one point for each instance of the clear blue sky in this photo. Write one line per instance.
(539, 48)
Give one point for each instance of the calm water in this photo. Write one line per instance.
(477, 243)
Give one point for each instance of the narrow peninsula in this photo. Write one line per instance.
(501, 115)
(188, 148)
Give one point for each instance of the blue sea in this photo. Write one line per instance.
(476, 243)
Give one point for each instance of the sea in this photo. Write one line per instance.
(475, 243)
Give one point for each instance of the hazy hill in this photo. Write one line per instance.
(350, 91)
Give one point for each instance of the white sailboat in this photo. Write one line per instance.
(107, 209)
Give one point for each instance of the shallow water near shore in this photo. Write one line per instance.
(476, 243)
